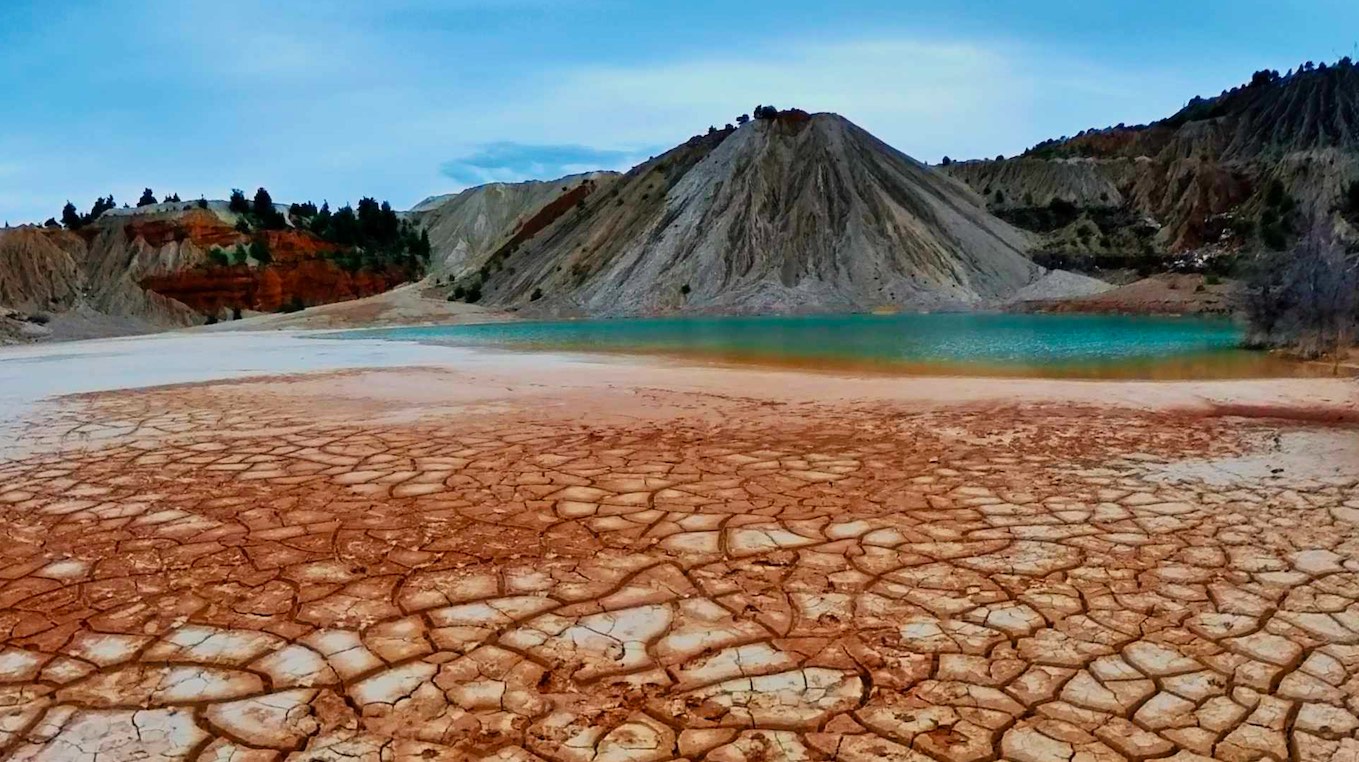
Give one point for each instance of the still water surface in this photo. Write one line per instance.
(1069, 346)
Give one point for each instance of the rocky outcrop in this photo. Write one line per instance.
(125, 250)
(1206, 177)
(796, 213)
(303, 271)
(302, 283)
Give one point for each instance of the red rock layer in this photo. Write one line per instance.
(546, 216)
(308, 282)
(301, 272)
(199, 226)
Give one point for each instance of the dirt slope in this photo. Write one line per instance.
(1161, 294)
(797, 213)
(409, 304)
(466, 228)
(39, 268)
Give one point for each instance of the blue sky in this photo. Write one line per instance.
(402, 99)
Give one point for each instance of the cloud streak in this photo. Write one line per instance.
(508, 161)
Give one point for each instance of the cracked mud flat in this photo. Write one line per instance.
(325, 567)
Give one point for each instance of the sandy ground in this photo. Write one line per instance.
(412, 304)
(322, 550)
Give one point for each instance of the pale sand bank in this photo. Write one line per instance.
(30, 373)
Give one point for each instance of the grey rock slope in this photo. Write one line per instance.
(465, 228)
(794, 214)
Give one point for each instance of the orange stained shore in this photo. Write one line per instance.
(407, 565)
(1225, 364)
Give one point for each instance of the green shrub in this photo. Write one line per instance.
(259, 251)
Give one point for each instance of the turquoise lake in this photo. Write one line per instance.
(993, 344)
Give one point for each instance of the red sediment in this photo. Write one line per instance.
(1324, 415)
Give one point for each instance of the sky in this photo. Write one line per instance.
(403, 99)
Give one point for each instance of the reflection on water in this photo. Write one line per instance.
(1053, 346)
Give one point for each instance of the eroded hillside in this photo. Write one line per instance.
(175, 264)
(467, 228)
(1247, 169)
(792, 213)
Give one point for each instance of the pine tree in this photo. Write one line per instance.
(101, 205)
(70, 217)
(264, 211)
(259, 251)
(238, 204)
(264, 203)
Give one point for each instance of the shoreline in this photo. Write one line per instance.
(140, 362)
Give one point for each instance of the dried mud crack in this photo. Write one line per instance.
(233, 572)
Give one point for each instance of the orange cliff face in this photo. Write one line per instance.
(200, 226)
(214, 289)
(301, 271)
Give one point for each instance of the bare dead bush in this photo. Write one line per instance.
(1305, 299)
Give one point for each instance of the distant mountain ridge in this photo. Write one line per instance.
(1311, 109)
(1245, 169)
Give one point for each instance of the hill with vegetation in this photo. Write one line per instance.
(172, 263)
